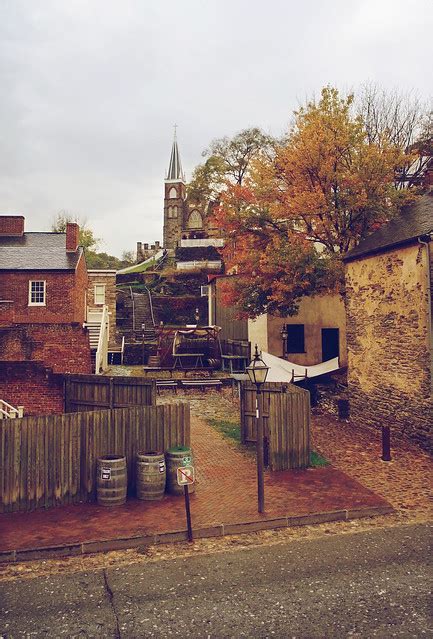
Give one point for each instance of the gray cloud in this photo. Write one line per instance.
(92, 88)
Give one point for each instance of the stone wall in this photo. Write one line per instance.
(389, 342)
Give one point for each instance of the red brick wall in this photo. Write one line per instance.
(64, 348)
(30, 385)
(72, 236)
(65, 295)
(11, 225)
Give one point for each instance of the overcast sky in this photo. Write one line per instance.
(90, 90)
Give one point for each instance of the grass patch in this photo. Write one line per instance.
(227, 429)
(316, 460)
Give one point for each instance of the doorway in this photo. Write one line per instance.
(330, 343)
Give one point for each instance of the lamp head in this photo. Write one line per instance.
(257, 370)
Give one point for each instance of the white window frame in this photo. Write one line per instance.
(44, 290)
(97, 295)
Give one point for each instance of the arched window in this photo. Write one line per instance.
(172, 194)
(195, 220)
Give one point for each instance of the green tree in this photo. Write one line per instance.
(228, 162)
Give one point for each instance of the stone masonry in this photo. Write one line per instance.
(389, 342)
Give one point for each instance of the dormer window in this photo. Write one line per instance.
(37, 293)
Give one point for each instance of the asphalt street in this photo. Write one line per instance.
(368, 584)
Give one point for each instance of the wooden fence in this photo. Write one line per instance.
(50, 460)
(285, 410)
(95, 392)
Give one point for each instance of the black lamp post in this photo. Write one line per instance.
(257, 372)
(284, 334)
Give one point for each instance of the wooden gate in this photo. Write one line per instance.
(285, 411)
(96, 392)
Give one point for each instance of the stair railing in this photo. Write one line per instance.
(133, 308)
(7, 411)
(151, 305)
(101, 358)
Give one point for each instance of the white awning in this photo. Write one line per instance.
(280, 370)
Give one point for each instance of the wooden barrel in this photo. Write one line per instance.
(111, 480)
(177, 457)
(151, 476)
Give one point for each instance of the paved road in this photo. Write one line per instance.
(370, 584)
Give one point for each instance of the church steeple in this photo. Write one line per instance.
(175, 172)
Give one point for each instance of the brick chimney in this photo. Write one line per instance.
(72, 237)
(11, 225)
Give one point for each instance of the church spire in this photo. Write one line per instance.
(175, 171)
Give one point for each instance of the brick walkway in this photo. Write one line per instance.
(406, 482)
(225, 494)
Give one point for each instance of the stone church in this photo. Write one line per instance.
(183, 219)
(189, 236)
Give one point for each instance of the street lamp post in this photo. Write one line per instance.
(284, 334)
(257, 372)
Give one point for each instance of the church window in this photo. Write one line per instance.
(174, 211)
(195, 220)
(172, 193)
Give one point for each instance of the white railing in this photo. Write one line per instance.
(209, 241)
(122, 350)
(198, 264)
(101, 358)
(10, 412)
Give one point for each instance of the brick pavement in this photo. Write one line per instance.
(225, 494)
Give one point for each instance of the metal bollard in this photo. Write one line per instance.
(386, 443)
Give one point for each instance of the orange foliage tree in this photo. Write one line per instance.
(296, 213)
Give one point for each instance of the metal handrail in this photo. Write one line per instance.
(133, 308)
(151, 306)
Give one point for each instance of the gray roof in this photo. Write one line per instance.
(175, 171)
(37, 252)
(414, 221)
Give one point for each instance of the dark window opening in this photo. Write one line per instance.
(295, 338)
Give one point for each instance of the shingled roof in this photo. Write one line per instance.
(414, 221)
(37, 252)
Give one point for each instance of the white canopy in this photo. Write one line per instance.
(280, 370)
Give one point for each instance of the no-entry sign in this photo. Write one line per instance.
(185, 475)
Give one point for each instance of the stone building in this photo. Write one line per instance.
(389, 325)
(317, 333)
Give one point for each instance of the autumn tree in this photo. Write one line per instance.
(402, 120)
(295, 214)
(228, 163)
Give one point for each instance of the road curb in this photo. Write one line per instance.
(220, 530)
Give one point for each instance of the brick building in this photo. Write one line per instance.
(389, 327)
(43, 284)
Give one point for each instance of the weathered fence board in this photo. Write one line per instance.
(96, 392)
(285, 410)
(51, 459)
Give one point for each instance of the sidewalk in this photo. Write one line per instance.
(225, 502)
